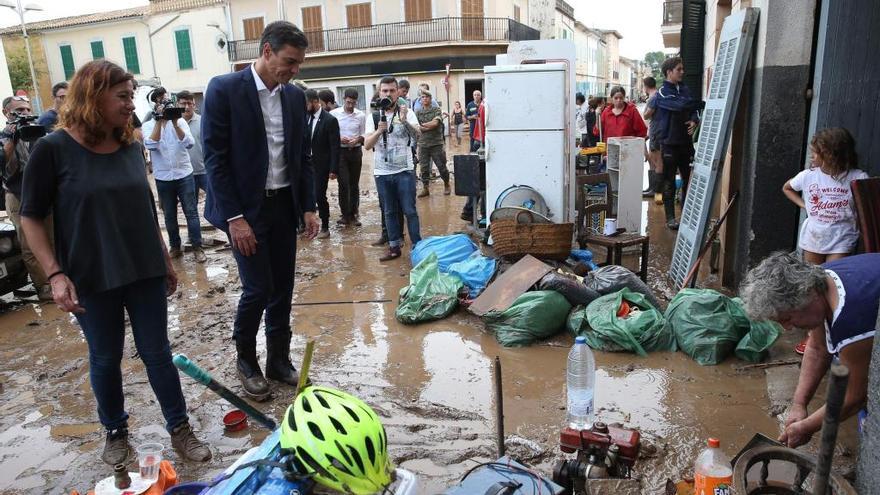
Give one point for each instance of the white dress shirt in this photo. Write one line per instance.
(351, 125)
(169, 154)
(270, 104)
(315, 117)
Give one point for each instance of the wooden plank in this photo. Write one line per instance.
(501, 293)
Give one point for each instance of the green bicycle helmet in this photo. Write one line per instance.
(337, 439)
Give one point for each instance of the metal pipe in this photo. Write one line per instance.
(833, 404)
(499, 409)
(38, 106)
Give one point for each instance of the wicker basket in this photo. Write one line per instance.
(514, 240)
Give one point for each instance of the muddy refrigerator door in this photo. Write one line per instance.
(526, 142)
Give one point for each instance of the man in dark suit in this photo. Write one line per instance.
(324, 131)
(259, 178)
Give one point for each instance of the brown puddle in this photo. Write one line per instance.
(431, 383)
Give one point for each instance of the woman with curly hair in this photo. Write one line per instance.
(109, 255)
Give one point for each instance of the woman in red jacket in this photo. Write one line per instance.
(620, 118)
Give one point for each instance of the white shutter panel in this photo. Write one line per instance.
(730, 68)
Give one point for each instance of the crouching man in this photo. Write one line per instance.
(837, 304)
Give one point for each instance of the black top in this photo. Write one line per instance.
(106, 234)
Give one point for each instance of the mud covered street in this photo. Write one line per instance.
(431, 383)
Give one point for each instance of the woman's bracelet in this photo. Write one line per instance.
(59, 272)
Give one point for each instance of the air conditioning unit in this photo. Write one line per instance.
(626, 163)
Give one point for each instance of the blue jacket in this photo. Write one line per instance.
(236, 152)
(675, 107)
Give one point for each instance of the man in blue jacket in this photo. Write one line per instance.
(675, 119)
(259, 178)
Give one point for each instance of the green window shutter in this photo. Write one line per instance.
(184, 49)
(97, 50)
(129, 46)
(67, 61)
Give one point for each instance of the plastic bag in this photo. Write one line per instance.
(475, 272)
(430, 295)
(762, 334)
(533, 316)
(612, 278)
(577, 293)
(641, 332)
(709, 326)
(448, 248)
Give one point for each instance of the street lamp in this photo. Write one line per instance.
(16, 6)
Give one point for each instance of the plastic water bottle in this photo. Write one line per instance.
(713, 474)
(580, 385)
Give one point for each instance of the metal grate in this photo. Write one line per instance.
(731, 63)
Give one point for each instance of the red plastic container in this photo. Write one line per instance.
(235, 420)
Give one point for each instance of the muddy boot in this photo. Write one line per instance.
(187, 445)
(392, 254)
(380, 242)
(117, 450)
(652, 185)
(447, 189)
(424, 191)
(278, 365)
(249, 370)
(669, 203)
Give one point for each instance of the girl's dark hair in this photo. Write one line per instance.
(615, 90)
(837, 149)
(81, 107)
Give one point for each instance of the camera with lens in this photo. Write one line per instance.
(384, 103)
(169, 110)
(25, 128)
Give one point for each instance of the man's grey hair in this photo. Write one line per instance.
(782, 282)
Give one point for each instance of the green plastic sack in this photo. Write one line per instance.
(710, 326)
(533, 316)
(641, 333)
(430, 295)
(753, 347)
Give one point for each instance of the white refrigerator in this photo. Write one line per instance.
(528, 141)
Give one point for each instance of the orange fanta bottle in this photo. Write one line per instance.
(712, 472)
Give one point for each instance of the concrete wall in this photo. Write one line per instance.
(208, 58)
(775, 110)
(541, 17)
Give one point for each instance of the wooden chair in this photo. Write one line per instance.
(613, 244)
(866, 194)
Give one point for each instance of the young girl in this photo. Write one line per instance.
(830, 231)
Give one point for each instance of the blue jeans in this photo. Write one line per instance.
(170, 191)
(201, 181)
(399, 190)
(103, 325)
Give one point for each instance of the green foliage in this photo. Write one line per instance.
(654, 60)
(19, 73)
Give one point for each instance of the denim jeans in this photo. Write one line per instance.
(184, 190)
(103, 325)
(399, 190)
(201, 181)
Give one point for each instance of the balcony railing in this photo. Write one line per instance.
(672, 11)
(444, 29)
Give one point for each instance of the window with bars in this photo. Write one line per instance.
(253, 28)
(358, 15)
(97, 49)
(184, 49)
(129, 48)
(417, 10)
(67, 61)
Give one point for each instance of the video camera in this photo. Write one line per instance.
(170, 110)
(384, 103)
(25, 128)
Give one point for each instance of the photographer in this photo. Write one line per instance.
(16, 153)
(169, 139)
(391, 133)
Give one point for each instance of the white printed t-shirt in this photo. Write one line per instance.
(398, 150)
(830, 227)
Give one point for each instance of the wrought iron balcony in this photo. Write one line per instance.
(672, 11)
(444, 29)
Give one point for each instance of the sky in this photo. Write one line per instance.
(637, 20)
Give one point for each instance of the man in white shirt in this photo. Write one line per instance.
(391, 139)
(169, 143)
(580, 112)
(352, 127)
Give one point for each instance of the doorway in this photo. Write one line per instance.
(471, 85)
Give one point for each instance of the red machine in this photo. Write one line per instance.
(602, 452)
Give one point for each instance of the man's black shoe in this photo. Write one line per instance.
(248, 370)
(278, 365)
